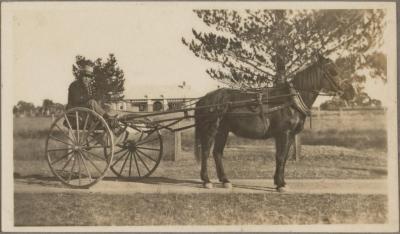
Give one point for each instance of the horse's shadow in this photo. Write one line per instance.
(191, 183)
(255, 187)
(51, 181)
(159, 181)
(38, 179)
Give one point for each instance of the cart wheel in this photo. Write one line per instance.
(79, 148)
(138, 151)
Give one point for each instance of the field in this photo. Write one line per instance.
(350, 145)
(198, 209)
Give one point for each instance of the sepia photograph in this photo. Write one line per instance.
(199, 116)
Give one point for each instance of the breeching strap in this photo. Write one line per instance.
(262, 115)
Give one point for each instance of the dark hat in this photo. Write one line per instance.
(87, 70)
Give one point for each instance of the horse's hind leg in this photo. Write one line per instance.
(283, 142)
(219, 145)
(207, 138)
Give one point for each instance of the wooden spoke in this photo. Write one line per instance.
(77, 127)
(130, 163)
(97, 147)
(91, 129)
(61, 158)
(66, 164)
(119, 151)
(72, 170)
(86, 121)
(95, 139)
(86, 168)
(79, 170)
(119, 145)
(51, 150)
(141, 135)
(94, 155)
(139, 151)
(137, 166)
(65, 133)
(148, 148)
(116, 161)
(69, 125)
(144, 142)
(141, 160)
(59, 140)
(84, 129)
(123, 165)
(91, 162)
(83, 156)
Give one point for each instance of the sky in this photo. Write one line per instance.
(146, 42)
(145, 38)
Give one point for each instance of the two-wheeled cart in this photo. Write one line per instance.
(81, 147)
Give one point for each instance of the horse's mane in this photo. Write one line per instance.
(308, 78)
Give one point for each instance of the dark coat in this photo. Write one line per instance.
(78, 95)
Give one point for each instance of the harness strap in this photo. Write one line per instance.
(260, 103)
(298, 101)
(270, 110)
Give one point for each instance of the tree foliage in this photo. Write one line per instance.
(25, 106)
(108, 76)
(256, 47)
(47, 104)
(374, 65)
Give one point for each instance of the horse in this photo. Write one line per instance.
(278, 117)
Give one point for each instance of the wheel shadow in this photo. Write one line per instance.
(372, 171)
(190, 183)
(254, 187)
(159, 181)
(51, 181)
(37, 179)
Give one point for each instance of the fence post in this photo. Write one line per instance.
(295, 149)
(178, 144)
(172, 145)
(318, 116)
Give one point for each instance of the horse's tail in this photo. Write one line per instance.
(197, 143)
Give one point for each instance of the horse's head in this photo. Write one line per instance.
(332, 82)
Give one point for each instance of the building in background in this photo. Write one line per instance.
(156, 98)
(152, 104)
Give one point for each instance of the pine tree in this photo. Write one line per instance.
(255, 47)
(108, 77)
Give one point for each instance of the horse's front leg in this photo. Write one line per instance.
(219, 145)
(206, 148)
(283, 143)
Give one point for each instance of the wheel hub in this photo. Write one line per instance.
(131, 145)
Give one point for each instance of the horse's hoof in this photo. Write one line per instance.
(227, 185)
(208, 185)
(282, 189)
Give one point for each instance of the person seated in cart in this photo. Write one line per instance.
(81, 93)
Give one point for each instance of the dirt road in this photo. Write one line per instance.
(168, 185)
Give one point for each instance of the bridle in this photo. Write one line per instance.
(337, 90)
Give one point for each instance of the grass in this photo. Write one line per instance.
(360, 131)
(352, 138)
(352, 148)
(256, 163)
(363, 156)
(197, 209)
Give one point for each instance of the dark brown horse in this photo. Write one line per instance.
(275, 116)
